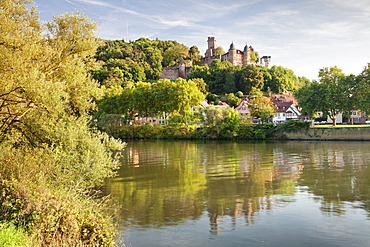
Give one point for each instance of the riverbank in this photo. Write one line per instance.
(292, 130)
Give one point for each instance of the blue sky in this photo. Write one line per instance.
(301, 35)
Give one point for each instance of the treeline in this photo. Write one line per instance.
(222, 78)
(144, 99)
(141, 60)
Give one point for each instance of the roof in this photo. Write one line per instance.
(232, 46)
(276, 98)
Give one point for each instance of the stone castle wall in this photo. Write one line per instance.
(171, 73)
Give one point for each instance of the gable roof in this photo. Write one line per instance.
(277, 98)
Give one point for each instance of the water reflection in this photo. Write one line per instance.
(167, 183)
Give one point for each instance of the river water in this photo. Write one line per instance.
(215, 193)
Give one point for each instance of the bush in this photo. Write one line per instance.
(55, 217)
(246, 131)
(294, 125)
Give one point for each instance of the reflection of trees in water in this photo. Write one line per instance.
(165, 183)
(338, 175)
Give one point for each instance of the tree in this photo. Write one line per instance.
(331, 95)
(48, 152)
(262, 108)
(282, 80)
(194, 55)
(219, 51)
(232, 99)
(362, 90)
(251, 77)
(216, 79)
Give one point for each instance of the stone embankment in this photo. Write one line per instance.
(343, 134)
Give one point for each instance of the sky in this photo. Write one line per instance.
(301, 35)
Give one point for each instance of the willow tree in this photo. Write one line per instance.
(46, 145)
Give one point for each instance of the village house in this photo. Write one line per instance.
(286, 108)
(243, 109)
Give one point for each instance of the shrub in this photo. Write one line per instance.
(55, 217)
(294, 125)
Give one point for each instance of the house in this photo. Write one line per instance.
(242, 108)
(356, 116)
(286, 108)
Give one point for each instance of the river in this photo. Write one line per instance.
(221, 193)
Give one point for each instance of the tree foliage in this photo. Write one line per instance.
(151, 99)
(46, 96)
(140, 60)
(332, 95)
(261, 108)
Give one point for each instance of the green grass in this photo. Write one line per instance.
(342, 126)
(11, 236)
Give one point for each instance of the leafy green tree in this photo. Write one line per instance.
(222, 121)
(232, 76)
(282, 80)
(232, 99)
(219, 51)
(362, 90)
(154, 60)
(218, 70)
(173, 54)
(194, 55)
(202, 86)
(251, 76)
(261, 108)
(202, 72)
(332, 95)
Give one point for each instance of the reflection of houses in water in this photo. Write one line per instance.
(133, 156)
(286, 167)
(242, 206)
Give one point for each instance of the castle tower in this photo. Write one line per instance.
(182, 68)
(212, 45)
(232, 54)
(246, 59)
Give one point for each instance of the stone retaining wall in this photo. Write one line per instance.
(348, 133)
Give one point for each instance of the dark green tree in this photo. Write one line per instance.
(251, 77)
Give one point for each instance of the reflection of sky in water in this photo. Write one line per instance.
(297, 223)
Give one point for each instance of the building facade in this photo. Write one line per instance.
(234, 56)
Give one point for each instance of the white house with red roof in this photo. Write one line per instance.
(286, 108)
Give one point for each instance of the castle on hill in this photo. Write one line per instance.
(234, 56)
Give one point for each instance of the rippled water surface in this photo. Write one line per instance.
(243, 194)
